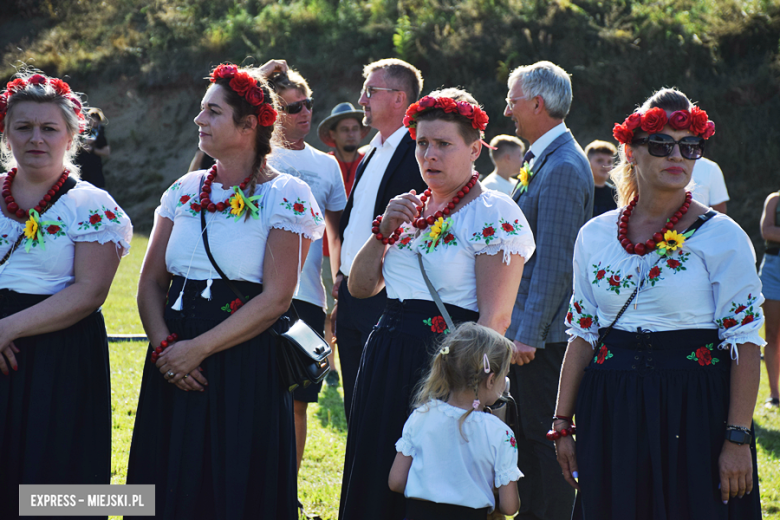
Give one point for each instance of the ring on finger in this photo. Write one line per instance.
(186, 376)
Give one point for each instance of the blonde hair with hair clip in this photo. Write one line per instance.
(458, 364)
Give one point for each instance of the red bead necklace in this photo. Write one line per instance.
(205, 193)
(643, 248)
(13, 207)
(422, 223)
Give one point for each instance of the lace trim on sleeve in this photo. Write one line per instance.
(731, 343)
(509, 249)
(405, 447)
(297, 229)
(510, 475)
(590, 337)
(105, 236)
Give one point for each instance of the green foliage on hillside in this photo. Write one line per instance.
(723, 53)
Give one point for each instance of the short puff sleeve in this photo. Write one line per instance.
(582, 317)
(98, 218)
(498, 224)
(291, 206)
(172, 196)
(406, 443)
(505, 465)
(736, 290)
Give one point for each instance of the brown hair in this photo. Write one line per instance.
(266, 137)
(44, 93)
(402, 75)
(624, 174)
(502, 144)
(281, 81)
(600, 147)
(466, 129)
(458, 363)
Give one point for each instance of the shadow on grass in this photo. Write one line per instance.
(331, 410)
(769, 439)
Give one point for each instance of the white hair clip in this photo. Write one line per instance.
(486, 363)
(444, 351)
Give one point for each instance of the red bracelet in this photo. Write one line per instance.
(392, 239)
(554, 435)
(170, 340)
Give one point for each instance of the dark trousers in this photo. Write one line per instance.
(544, 494)
(355, 318)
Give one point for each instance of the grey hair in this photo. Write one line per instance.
(38, 93)
(550, 82)
(400, 74)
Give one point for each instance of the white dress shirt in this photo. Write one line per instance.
(540, 145)
(358, 229)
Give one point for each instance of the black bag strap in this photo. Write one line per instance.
(65, 188)
(228, 281)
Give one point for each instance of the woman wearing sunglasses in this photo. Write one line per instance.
(663, 367)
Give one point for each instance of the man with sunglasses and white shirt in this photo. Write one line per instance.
(323, 175)
(556, 195)
(389, 168)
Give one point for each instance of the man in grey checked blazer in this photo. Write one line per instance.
(557, 201)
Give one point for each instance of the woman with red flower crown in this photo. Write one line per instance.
(474, 263)
(60, 245)
(664, 406)
(214, 429)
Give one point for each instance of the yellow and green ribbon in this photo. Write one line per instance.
(240, 203)
(33, 230)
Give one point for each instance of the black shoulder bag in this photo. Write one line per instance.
(65, 188)
(302, 354)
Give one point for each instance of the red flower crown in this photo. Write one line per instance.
(654, 120)
(479, 119)
(246, 86)
(59, 86)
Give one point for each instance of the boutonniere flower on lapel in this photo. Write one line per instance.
(524, 178)
(672, 241)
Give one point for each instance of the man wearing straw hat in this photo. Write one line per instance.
(342, 130)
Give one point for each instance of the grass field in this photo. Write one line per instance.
(319, 484)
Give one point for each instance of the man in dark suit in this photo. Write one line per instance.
(556, 196)
(389, 168)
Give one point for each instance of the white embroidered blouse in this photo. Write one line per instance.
(43, 264)
(237, 244)
(450, 469)
(488, 224)
(708, 283)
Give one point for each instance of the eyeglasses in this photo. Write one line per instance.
(510, 102)
(662, 145)
(370, 91)
(294, 108)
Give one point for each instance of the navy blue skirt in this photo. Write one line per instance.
(55, 411)
(396, 356)
(225, 453)
(651, 417)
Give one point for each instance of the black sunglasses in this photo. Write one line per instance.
(294, 108)
(661, 145)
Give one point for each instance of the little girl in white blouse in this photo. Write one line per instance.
(452, 455)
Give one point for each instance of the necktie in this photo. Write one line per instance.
(529, 155)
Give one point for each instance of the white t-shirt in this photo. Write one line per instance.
(238, 245)
(323, 175)
(488, 224)
(707, 183)
(84, 214)
(708, 283)
(495, 182)
(450, 469)
(364, 198)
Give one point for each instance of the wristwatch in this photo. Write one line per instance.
(738, 435)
